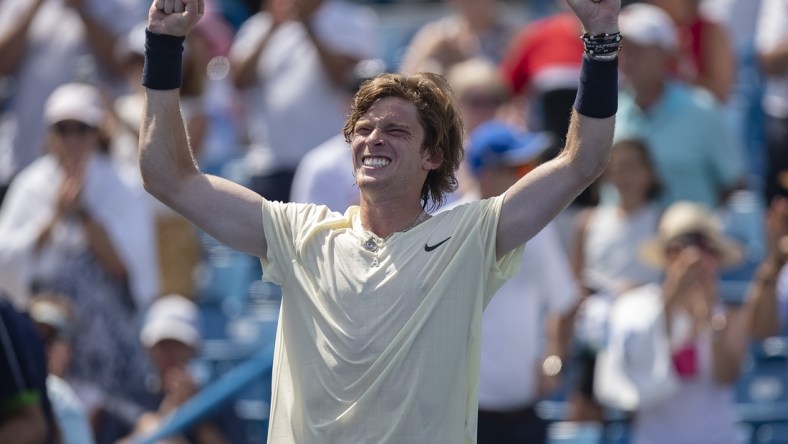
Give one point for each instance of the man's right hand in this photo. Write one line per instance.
(175, 17)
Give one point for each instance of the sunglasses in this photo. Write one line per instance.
(699, 240)
(72, 127)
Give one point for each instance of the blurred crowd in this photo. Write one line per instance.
(641, 301)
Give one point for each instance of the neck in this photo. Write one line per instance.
(384, 220)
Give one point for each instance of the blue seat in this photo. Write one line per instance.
(771, 433)
(762, 389)
(570, 432)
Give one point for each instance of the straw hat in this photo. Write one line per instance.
(684, 218)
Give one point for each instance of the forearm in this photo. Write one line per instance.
(46, 233)
(166, 160)
(729, 345)
(762, 306)
(588, 146)
(101, 42)
(720, 60)
(775, 62)
(13, 44)
(559, 334)
(26, 427)
(337, 65)
(244, 69)
(102, 247)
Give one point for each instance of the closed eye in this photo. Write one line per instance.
(362, 130)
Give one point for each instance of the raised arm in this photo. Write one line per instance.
(225, 210)
(540, 195)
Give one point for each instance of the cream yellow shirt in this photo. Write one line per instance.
(379, 347)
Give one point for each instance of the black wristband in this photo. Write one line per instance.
(597, 94)
(162, 68)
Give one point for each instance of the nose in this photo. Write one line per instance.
(376, 137)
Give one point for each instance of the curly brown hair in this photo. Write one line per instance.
(438, 114)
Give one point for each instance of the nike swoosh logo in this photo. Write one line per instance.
(428, 247)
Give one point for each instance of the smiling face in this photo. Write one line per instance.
(387, 149)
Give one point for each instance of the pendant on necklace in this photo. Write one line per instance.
(370, 245)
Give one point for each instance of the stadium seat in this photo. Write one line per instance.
(762, 390)
(569, 432)
(771, 433)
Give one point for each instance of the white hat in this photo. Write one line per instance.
(75, 101)
(171, 317)
(647, 24)
(686, 218)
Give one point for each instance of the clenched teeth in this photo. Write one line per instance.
(376, 162)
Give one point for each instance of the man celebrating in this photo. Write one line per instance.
(379, 333)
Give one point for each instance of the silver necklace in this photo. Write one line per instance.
(373, 246)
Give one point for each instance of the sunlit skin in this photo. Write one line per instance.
(388, 161)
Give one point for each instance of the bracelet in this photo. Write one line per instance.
(597, 92)
(601, 45)
(162, 69)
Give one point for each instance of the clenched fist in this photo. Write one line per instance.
(175, 17)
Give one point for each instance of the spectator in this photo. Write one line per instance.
(772, 47)
(295, 66)
(25, 411)
(673, 351)
(706, 57)
(481, 92)
(607, 237)
(482, 95)
(171, 335)
(474, 29)
(527, 325)
(47, 43)
(770, 284)
(605, 259)
(696, 155)
(72, 225)
(55, 323)
(740, 18)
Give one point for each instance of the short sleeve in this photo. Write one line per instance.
(285, 225)
(508, 265)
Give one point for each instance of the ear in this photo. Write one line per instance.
(430, 161)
